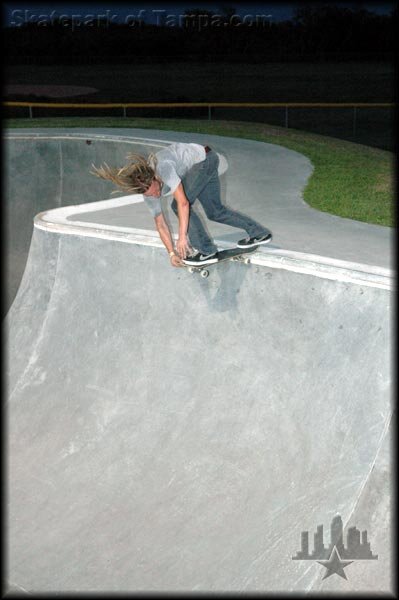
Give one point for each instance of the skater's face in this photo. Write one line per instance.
(154, 189)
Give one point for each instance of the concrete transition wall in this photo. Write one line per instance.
(168, 432)
(44, 172)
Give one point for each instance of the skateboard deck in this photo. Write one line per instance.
(236, 254)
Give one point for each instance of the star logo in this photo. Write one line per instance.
(357, 547)
(335, 564)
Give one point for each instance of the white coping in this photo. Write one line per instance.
(56, 221)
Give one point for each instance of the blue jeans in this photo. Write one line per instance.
(202, 182)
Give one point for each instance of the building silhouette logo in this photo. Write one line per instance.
(336, 556)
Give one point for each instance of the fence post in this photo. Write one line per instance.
(30, 112)
(209, 113)
(354, 121)
(124, 111)
(286, 116)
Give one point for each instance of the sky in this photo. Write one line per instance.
(16, 13)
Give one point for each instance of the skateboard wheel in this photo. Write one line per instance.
(204, 273)
(191, 269)
(247, 261)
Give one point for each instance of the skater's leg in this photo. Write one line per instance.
(216, 211)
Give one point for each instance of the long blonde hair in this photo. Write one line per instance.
(135, 177)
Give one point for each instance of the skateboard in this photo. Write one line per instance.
(236, 254)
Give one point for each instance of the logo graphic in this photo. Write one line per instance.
(336, 556)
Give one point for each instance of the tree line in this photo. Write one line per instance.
(317, 33)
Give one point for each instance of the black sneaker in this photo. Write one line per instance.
(201, 259)
(255, 241)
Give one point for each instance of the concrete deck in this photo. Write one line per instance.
(173, 433)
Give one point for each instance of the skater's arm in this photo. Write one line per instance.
(164, 234)
(183, 208)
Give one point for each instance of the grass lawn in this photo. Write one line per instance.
(349, 180)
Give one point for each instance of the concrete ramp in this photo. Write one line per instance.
(174, 433)
(44, 172)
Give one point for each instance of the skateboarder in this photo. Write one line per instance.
(188, 172)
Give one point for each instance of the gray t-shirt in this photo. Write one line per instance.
(173, 163)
